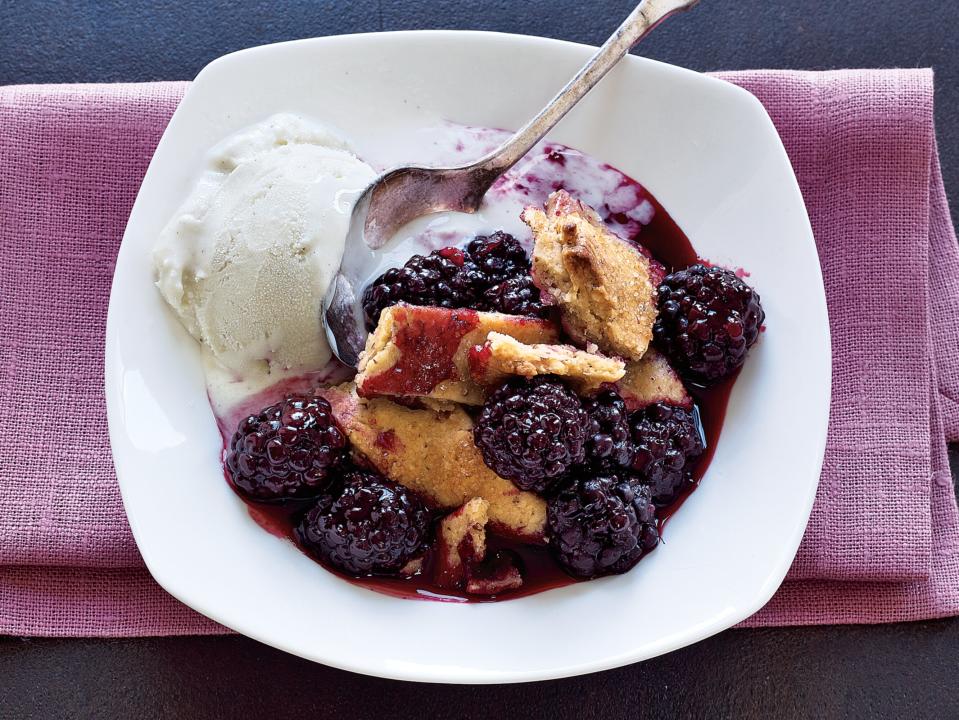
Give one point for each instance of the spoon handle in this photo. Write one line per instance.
(647, 15)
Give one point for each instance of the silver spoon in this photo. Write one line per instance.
(406, 193)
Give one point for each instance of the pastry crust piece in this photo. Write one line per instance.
(651, 380)
(423, 351)
(432, 453)
(604, 286)
(461, 543)
(462, 562)
(501, 356)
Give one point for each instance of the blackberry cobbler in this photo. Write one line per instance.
(511, 413)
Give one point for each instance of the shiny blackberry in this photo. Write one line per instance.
(371, 526)
(667, 442)
(708, 319)
(608, 441)
(516, 296)
(601, 524)
(497, 257)
(435, 280)
(288, 450)
(532, 431)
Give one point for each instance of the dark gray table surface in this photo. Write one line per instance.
(882, 671)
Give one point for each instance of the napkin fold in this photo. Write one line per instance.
(882, 543)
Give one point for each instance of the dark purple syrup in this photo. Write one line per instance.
(712, 402)
(540, 571)
(666, 242)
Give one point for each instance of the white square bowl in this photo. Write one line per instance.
(706, 149)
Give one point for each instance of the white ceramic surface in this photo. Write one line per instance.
(705, 149)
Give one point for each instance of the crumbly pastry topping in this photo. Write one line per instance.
(602, 285)
(649, 380)
(502, 355)
(424, 351)
(433, 454)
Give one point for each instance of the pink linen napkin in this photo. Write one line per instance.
(883, 541)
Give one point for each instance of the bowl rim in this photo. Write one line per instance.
(172, 584)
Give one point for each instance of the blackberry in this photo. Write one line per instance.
(455, 278)
(372, 526)
(601, 524)
(288, 450)
(667, 442)
(516, 296)
(708, 319)
(532, 431)
(434, 280)
(608, 444)
(497, 257)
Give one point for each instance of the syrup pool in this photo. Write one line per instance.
(627, 208)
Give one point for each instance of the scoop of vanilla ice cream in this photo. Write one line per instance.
(247, 259)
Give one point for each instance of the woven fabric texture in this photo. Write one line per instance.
(883, 540)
